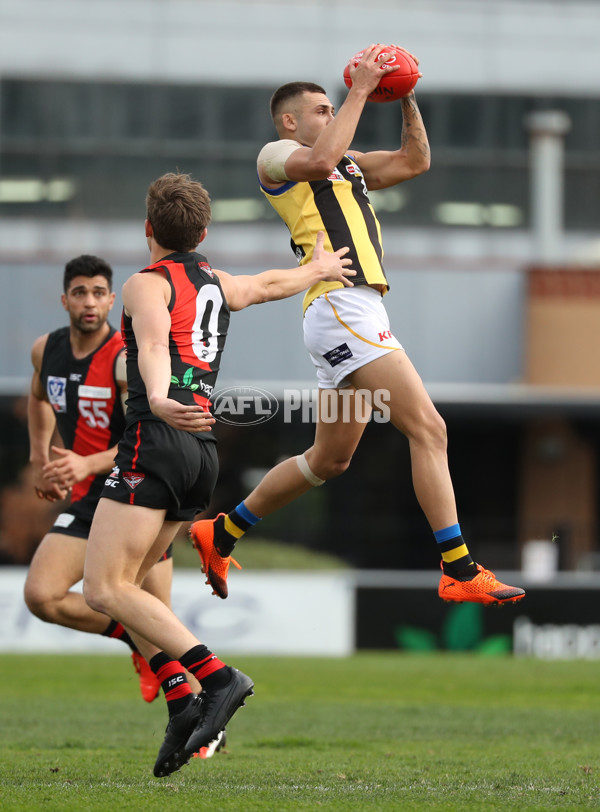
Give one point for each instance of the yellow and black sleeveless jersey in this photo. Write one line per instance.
(340, 207)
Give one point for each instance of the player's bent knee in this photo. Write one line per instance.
(33, 603)
(328, 469)
(336, 468)
(307, 472)
(40, 604)
(438, 431)
(430, 432)
(97, 598)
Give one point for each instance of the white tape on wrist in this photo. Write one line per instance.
(304, 467)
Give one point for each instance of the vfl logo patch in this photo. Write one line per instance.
(338, 354)
(57, 393)
(133, 480)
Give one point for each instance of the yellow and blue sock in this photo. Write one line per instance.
(457, 561)
(232, 527)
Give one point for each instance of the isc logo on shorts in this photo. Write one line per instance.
(113, 479)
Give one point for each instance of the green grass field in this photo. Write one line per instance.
(378, 731)
(264, 554)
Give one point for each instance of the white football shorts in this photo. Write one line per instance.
(345, 329)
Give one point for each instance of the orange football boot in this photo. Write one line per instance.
(149, 685)
(214, 566)
(483, 588)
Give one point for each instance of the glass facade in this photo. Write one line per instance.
(89, 149)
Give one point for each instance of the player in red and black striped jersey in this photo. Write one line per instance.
(85, 395)
(176, 314)
(197, 334)
(78, 387)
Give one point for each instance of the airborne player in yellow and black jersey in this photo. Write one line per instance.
(316, 181)
(339, 206)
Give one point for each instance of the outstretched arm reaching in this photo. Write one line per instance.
(242, 291)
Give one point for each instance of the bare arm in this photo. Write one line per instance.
(146, 298)
(121, 377)
(384, 168)
(68, 467)
(242, 291)
(41, 424)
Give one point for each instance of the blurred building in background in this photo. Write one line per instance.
(492, 255)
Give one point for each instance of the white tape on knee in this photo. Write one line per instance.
(304, 467)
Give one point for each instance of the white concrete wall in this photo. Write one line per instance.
(545, 46)
(272, 613)
(460, 324)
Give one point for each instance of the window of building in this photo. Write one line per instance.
(90, 149)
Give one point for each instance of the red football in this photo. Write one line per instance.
(393, 85)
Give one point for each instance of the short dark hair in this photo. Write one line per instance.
(178, 209)
(87, 265)
(289, 91)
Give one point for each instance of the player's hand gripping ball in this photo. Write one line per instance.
(394, 85)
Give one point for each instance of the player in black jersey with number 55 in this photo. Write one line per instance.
(175, 319)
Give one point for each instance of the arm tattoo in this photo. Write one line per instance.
(414, 135)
